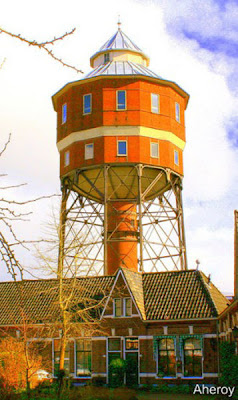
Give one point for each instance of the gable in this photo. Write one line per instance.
(122, 291)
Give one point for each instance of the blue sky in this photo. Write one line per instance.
(191, 42)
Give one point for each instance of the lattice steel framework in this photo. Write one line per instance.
(87, 195)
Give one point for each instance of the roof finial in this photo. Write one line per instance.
(119, 22)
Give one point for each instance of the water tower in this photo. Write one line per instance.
(121, 135)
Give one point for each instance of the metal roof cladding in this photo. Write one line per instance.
(121, 68)
(120, 41)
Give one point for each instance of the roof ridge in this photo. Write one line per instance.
(203, 277)
(205, 285)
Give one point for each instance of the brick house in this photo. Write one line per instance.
(165, 324)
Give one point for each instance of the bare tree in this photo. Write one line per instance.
(45, 46)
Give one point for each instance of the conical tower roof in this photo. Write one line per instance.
(119, 48)
(120, 41)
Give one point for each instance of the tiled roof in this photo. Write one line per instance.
(159, 296)
(180, 295)
(40, 297)
(121, 68)
(135, 283)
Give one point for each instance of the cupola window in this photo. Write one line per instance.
(121, 100)
(87, 103)
(106, 58)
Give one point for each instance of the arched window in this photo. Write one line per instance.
(192, 357)
(166, 357)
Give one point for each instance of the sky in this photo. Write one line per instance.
(191, 42)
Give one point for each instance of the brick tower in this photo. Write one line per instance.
(121, 135)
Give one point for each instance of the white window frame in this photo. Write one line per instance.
(123, 307)
(152, 144)
(121, 155)
(67, 158)
(176, 156)
(177, 112)
(87, 156)
(88, 112)
(64, 113)
(121, 109)
(156, 109)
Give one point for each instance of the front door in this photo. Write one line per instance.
(131, 368)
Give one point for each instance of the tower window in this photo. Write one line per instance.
(66, 158)
(122, 148)
(176, 157)
(121, 100)
(154, 150)
(64, 113)
(89, 151)
(106, 58)
(177, 112)
(154, 103)
(87, 103)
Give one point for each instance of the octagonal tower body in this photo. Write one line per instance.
(120, 115)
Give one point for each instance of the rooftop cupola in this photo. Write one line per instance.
(119, 48)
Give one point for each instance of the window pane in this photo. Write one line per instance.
(122, 148)
(83, 357)
(154, 150)
(66, 158)
(89, 151)
(128, 307)
(114, 344)
(64, 113)
(166, 357)
(155, 103)
(106, 58)
(177, 112)
(131, 343)
(87, 103)
(121, 100)
(176, 158)
(118, 307)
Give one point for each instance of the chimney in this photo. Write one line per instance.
(236, 254)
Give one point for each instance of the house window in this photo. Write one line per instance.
(121, 100)
(89, 151)
(106, 58)
(114, 344)
(154, 150)
(64, 113)
(128, 307)
(83, 357)
(57, 357)
(176, 157)
(122, 148)
(192, 357)
(177, 112)
(131, 343)
(154, 103)
(66, 158)
(87, 103)
(123, 307)
(118, 308)
(166, 357)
